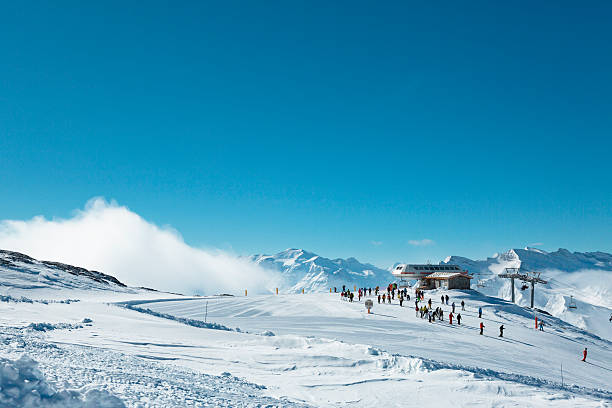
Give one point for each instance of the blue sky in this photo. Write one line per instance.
(346, 128)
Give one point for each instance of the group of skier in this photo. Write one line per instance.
(424, 311)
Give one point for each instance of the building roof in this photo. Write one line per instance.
(446, 275)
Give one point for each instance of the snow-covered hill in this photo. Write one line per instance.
(301, 269)
(585, 276)
(23, 275)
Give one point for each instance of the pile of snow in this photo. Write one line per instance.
(22, 384)
(301, 269)
(43, 327)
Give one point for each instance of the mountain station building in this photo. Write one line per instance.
(433, 276)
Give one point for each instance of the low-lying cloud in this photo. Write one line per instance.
(112, 239)
(421, 242)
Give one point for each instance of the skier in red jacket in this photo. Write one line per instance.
(481, 327)
(584, 354)
(450, 318)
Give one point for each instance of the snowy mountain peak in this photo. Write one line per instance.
(301, 269)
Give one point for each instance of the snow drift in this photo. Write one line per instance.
(23, 385)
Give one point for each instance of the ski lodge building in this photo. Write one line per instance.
(433, 276)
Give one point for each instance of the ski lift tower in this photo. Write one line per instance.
(516, 273)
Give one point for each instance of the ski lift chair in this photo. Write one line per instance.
(572, 304)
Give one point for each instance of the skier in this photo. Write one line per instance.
(453, 307)
(344, 288)
(352, 296)
(459, 319)
(429, 315)
(462, 305)
(584, 354)
(501, 331)
(481, 328)
(447, 300)
(401, 299)
(442, 298)
(389, 299)
(360, 294)
(479, 312)
(450, 318)
(417, 310)
(541, 325)
(429, 302)
(370, 291)
(379, 299)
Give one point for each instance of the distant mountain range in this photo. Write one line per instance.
(301, 269)
(536, 260)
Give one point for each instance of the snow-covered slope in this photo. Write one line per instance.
(150, 349)
(22, 275)
(585, 276)
(301, 269)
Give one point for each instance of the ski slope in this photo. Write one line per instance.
(304, 350)
(72, 341)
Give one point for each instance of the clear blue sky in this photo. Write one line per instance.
(258, 126)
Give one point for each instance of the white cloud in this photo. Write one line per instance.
(535, 244)
(114, 240)
(421, 242)
(376, 243)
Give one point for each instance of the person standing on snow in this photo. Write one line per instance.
(442, 299)
(459, 319)
(429, 302)
(453, 307)
(462, 305)
(479, 312)
(379, 299)
(501, 331)
(481, 328)
(450, 318)
(584, 354)
(389, 299)
(541, 325)
(401, 299)
(447, 300)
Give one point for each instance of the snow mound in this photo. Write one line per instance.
(43, 327)
(22, 384)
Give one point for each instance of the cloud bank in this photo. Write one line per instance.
(112, 239)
